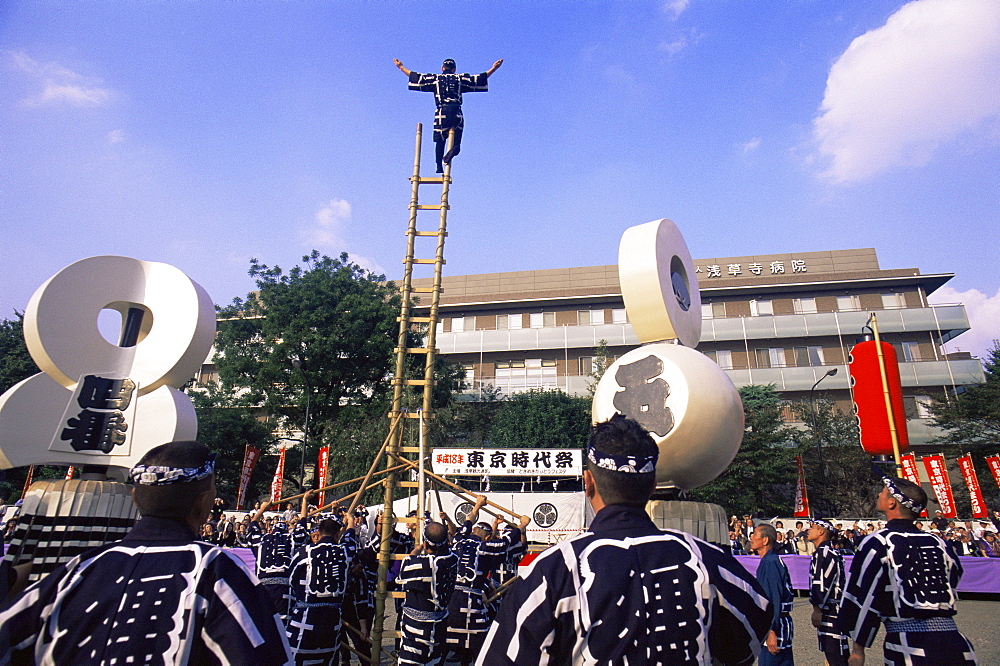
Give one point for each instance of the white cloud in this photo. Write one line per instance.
(984, 317)
(675, 7)
(330, 221)
(60, 85)
(751, 145)
(116, 136)
(689, 37)
(899, 91)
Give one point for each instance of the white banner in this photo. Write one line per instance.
(554, 516)
(507, 462)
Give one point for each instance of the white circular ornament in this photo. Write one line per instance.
(659, 284)
(687, 403)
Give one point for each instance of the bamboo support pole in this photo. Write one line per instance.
(500, 591)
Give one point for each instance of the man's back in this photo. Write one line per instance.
(627, 592)
(156, 597)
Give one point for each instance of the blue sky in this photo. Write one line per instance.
(203, 133)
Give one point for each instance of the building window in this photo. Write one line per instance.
(590, 317)
(894, 301)
(502, 322)
(808, 356)
(586, 366)
(618, 316)
(706, 310)
(804, 305)
(907, 352)
(722, 357)
(505, 322)
(470, 374)
(542, 319)
(457, 324)
(515, 322)
(761, 307)
(849, 303)
(773, 357)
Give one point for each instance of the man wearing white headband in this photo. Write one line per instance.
(158, 596)
(427, 575)
(905, 578)
(626, 592)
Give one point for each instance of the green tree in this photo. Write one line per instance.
(320, 336)
(970, 422)
(838, 471)
(761, 479)
(602, 361)
(15, 361)
(227, 428)
(544, 419)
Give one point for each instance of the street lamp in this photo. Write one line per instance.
(297, 364)
(812, 413)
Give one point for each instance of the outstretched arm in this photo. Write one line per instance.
(399, 64)
(489, 72)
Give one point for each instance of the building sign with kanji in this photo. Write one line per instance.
(507, 462)
(751, 269)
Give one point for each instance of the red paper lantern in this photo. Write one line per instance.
(869, 398)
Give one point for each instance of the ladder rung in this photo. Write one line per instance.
(423, 290)
(416, 320)
(433, 180)
(426, 261)
(412, 350)
(408, 484)
(409, 449)
(429, 206)
(415, 382)
(395, 594)
(428, 233)
(414, 415)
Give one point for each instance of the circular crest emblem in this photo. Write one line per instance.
(546, 515)
(462, 512)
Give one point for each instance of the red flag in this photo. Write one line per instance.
(937, 472)
(279, 475)
(801, 496)
(869, 398)
(69, 472)
(910, 473)
(250, 458)
(972, 482)
(27, 481)
(994, 463)
(322, 464)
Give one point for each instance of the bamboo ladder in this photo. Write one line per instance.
(395, 448)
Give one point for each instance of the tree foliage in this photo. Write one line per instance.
(761, 479)
(15, 361)
(543, 419)
(323, 334)
(227, 428)
(838, 471)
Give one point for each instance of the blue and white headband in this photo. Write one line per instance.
(626, 464)
(824, 523)
(156, 475)
(911, 504)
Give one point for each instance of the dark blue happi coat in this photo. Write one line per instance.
(826, 586)
(155, 597)
(628, 593)
(906, 578)
(317, 578)
(772, 574)
(429, 582)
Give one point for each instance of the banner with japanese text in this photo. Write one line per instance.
(937, 472)
(507, 462)
(279, 475)
(972, 483)
(322, 464)
(994, 463)
(911, 473)
(801, 496)
(250, 458)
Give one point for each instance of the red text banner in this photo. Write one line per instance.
(937, 472)
(801, 495)
(250, 458)
(972, 483)
(279, 475)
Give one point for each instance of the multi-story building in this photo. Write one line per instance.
(785, 319)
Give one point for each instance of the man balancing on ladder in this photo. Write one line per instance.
(448, 88)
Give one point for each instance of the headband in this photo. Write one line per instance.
(626, 464)
(911, 504)
(157, 475)
(824, 523)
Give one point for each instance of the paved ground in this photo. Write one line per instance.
(976, 619)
